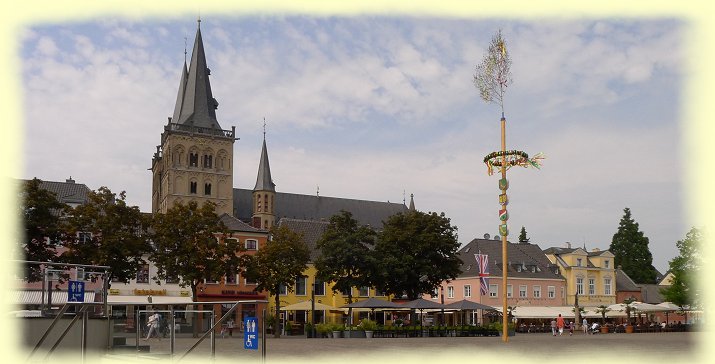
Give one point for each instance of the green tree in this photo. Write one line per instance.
(415, 252)
(683, 290)
(344, 253)
(522, 236)
(190, 245)
(106, 231)
(40, 212)
(279, 264)
(630, 248)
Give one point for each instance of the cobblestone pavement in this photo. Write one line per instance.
(644, 347)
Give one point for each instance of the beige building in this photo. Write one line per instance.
(591, 275)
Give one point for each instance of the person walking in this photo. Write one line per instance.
(571, 327)
(153, 325)
(560, 324)
(553, 327)
(585, 326)
(229, 325)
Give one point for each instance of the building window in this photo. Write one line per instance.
(467, 290)
(606, 263)
(207, 189)
(84, 237)
(193, 160)
(283, 290)
(551, 291)
(563, 292)
(537, 291)
(591, 286)
(364, 292)
(249, 282)
(435, 294)
(346, 292)
(509, 291)
(607, 286)
(171, 279)
(579, 286)
(231, 279)
(210, 281)
(450, 292)
(192, 188)
(208, 161)
(319, 287)
(522, 291)
(578, 262)
(251, 244)
(143, 274)
(258, 203)
(493, 290)
(300, 286)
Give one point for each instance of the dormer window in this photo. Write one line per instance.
(606, 263)
(578, 262)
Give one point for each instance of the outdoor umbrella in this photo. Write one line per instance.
(668, 307)
(466, 305)
(423, 304)
(373, 303)
(307, 306)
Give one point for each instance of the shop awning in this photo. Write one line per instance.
(144, 300)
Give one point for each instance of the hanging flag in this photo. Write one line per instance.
(482, 264)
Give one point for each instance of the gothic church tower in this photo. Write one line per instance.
(195, 159)
(264, 193)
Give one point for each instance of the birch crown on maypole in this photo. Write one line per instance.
(493, 74)
(492, 77)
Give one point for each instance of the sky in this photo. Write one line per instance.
(379, 107)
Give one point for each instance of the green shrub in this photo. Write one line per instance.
(368, 325)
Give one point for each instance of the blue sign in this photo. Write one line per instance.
(250, 333)
(75, 292)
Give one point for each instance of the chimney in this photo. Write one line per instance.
(567, 245)
(69, 180)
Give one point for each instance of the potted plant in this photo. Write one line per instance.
(324, 330)
(308, 329)
(368, 326)
(337, 329)
(270, 323)
(511, 328)
(627, 302)
(603, 309)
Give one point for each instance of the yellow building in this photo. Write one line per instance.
(591, 275)
(302, 290)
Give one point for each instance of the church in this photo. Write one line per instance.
(195, 161)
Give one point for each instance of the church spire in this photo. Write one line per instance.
(412, 202)
(264, 182)
(197, 106)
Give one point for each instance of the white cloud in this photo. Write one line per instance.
(368, 107)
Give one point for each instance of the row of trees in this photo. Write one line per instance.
(412, 255)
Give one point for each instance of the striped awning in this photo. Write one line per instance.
(34, 297)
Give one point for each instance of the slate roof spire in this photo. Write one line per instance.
(195, 104)
(264, 182)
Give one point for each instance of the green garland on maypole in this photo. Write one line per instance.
(492, 77)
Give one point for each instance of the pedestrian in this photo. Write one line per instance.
(571, 326)
(560, 324)
(229, 325)
(585, 326)
(553, 327)
(153, 325)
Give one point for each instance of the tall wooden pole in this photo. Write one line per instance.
(505, 316)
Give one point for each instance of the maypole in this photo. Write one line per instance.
(492, 77)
